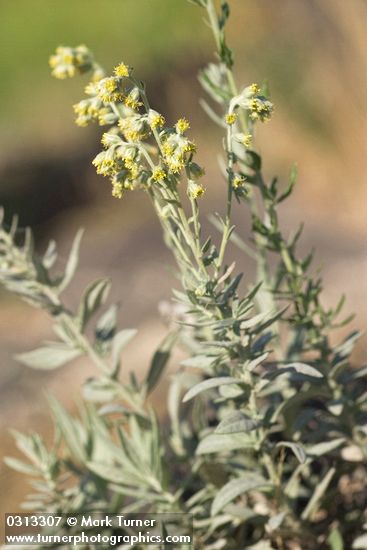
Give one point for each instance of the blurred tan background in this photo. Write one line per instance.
(314, 55)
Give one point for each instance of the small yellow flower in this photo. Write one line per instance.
(158, 174)
(182, 125)
(167, 149)
(247, 140)
(104, 116)
(195, 190)
(117, 190)
(190, 147)
(254, 89)
(156, 120)
(91, 89)
(108, 90)
(131, 102)
(122, 70)
(231, 118)
(238, 181)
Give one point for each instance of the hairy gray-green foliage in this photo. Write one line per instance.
(266, 440)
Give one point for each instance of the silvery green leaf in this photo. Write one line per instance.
(159, 362)
(71, 430)
(344, 350)
(275, 522)
(99, 390)
(28, 445)
(237, 422)
(50, 357)
(253, 321)
(352, 453)
(117, 474)
(113, 408)
(21, 466)
(256, 362)
(297, 449)
(72, 262)
(106, 324)
(216, 443)
(198, 361)
(294, 368)
(50, 255)
(121, 340)
(93, 297)
(232, 391)
(209, 384)
(335, 540)
(335, 407)
(319, 492)
(323, 448)
(302, 368)
(360, 543)
(237, 487)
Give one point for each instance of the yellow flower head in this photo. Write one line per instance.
(231, 118)
(117, 190)
(122, 70)
(158, 174)
(91, 89)
(254, 89)
(109, 89)
(106, 116)
(67, 61)
(182, 125)
(131, 102)
(195, 190)
(247, 140)
(156, 120)
(238, 181)
(168, 149)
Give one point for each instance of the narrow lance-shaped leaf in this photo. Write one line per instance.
(297, 450)
(93, 297)
(159, 361)
(48, 358)
(237, 487)
(217, 443)
(319, 492)
(121, 340)
(237, 422)
(210, 384)
(69, 430)
(72, 262)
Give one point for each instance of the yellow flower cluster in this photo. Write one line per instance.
(247, 140)
(122, 71)
(195, 190)
(230, 118)
(156, 120)
(120, 162)
(67, 62)
(177, 149)
(109, 89)
(135, 128)
(238, 181)
(158, 174)
(261, 109)
(87, 110)
(116, 100)
(182, 125)
(251, 100)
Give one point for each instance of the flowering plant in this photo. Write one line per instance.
(266, 445)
